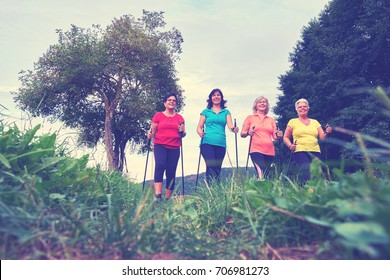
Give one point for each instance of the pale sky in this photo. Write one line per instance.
(239, 46)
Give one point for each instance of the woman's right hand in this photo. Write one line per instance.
(152, 131)
(293, 146)
(200, 132)
(201, 125)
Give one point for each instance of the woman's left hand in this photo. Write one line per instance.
(181, 128)
(328, 129)
(279, 133)
(235, 129)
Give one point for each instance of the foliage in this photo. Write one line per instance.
(107, 83)
(348, 216)
(55, 207)
(340, 60)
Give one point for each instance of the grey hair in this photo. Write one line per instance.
(302, 100)
(255, 104)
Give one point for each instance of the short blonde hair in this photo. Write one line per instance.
(302, 100)
(254, 106)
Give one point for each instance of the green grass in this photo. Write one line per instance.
(53, 206)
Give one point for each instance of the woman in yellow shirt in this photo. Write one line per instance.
(305, 133)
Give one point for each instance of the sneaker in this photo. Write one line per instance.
(157, 198)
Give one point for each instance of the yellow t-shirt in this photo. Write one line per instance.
(305, 135)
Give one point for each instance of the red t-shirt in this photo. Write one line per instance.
(167, 130)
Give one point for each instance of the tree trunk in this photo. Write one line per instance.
(110, 109)
(108, 138)
(119, 149)
(121, 155)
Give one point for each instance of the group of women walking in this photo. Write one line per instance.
(168, 129)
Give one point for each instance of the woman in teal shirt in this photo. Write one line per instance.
(211, 128)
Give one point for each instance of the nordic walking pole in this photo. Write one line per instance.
(181, 155)
(182, 169)
(200, 154)
(289, 161)
(146, 166)
(326, 145)
(197, 172)
(249, 150)
(235, 138)
(280, 140)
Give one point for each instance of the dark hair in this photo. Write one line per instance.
(210, 102)
(169, 95)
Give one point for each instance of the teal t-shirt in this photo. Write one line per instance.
(215, 127)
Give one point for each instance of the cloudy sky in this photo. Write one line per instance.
(239, 46)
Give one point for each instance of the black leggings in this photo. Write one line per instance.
(213, 156)
(303, 161)
(166, 160)
(263, 162)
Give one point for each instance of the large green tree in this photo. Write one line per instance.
(108, 82)
(342, 56)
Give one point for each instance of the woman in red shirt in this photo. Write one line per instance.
(167, 129)
(263, 130)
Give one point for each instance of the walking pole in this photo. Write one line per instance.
(182, 168)
(235, 138)
(146, 166)
(197, 172)
(280, 150)
(200, 154)
(326, 145)
(182, 164)
(249, 149)
(289, 161)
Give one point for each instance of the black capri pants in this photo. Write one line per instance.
(303, 161)
(213, 156)
(263, 162)
(166, 161)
